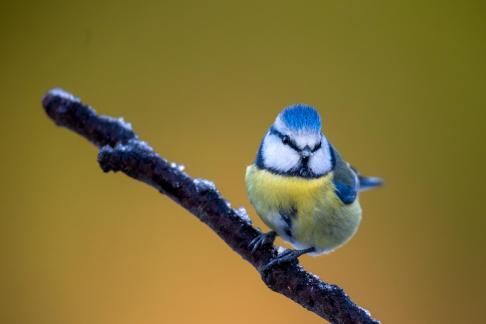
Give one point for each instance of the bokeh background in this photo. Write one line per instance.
(401, 88)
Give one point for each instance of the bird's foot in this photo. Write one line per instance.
(262, 239)
(286, 257)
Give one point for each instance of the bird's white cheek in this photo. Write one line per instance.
(278, 156)
(320, 162)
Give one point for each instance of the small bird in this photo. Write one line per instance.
(301, 187)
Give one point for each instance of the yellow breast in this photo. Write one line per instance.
(319, 219)
(272, 190)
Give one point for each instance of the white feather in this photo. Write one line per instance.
(306, 139)
(277, 155)
(320, 161)
(280, 226)
(280, 126)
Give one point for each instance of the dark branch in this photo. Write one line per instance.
(121, 150)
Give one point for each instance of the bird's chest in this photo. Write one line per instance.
(305, 212)
(271, 193)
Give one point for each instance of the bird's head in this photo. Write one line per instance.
(294, 144)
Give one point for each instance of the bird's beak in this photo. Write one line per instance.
(306, 152)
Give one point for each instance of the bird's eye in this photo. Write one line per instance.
(285, 139)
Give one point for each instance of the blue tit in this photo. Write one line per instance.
(301, 187)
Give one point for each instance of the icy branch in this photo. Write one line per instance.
(121, 150)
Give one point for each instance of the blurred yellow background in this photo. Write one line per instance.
(401, 89)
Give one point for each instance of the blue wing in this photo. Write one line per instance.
(348, 181)
(345, 178)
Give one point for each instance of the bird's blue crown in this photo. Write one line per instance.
(301, 117)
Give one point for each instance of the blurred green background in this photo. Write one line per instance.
(401, 89)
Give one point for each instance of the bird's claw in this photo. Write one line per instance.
(262, 239)
(288, 256)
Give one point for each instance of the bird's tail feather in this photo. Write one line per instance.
(366, 183)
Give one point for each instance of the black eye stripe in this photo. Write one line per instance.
(287, 141)
(284, 138)
(317, 147)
